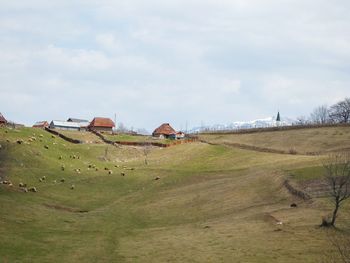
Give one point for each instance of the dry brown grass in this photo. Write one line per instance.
(298, 141)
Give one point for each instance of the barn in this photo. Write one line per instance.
(102, 124)
(164, 131)
(3, 121)
(41, 124)
(64, 125)
(84, 124)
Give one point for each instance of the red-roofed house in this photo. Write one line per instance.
(102, 124)
(3, 121)
(41, 124)
(164, 131)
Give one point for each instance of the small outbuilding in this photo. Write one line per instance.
(65, 125)
(3, 121)
(41, 124)
(180, 135)
(102, 124)
(164, 131)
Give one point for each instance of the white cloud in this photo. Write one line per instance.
(154, 61)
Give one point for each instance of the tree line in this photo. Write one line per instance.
(336, 113)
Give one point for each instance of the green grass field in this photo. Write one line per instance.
(135, 138)
(212, 203)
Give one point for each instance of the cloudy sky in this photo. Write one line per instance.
(155, 61)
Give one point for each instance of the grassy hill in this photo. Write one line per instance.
(211, 203)
(317, 140)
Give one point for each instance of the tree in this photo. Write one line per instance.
(337, 177)
(340, 112)
(319, 115)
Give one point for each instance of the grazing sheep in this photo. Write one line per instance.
(72, 187)
(106, 169)
(41, 135)
(122, 174)
(46, 147)
(44, 177)
(62, 180)
(53, 136)
(293, 205)
(33, 189)
(25, 190)
(22, 185)
(157, 178)
(116, 166)
(62, 167)
(279, 223)
(54, 181)
(60, 157)
(10, 184)
(40, 180)
(110, 172)
(96, 169)
(19, 141)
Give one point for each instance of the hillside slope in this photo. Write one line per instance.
(210, 203)
(302, 141)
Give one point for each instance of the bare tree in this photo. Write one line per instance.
(340, 112)
(319, 115)
(337, 175)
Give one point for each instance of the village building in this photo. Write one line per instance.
(41, 124)
(101, 125)
(84, 124)
(164, 131)
(3, 121)
(180, 135)
(65, 125)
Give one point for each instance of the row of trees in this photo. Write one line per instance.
(337, 113)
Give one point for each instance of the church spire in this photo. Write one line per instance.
(278, 117)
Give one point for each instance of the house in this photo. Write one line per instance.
(41, 124)
(102, 124)
(3, 121)
(164, 131)
(83, 123)
(65, 125)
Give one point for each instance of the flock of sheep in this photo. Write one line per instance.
(90, 167)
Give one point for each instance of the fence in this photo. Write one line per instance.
(277, 128)
(64, 137)
(295, 191)
(156, 144)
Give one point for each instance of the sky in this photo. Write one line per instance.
(186, 62)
